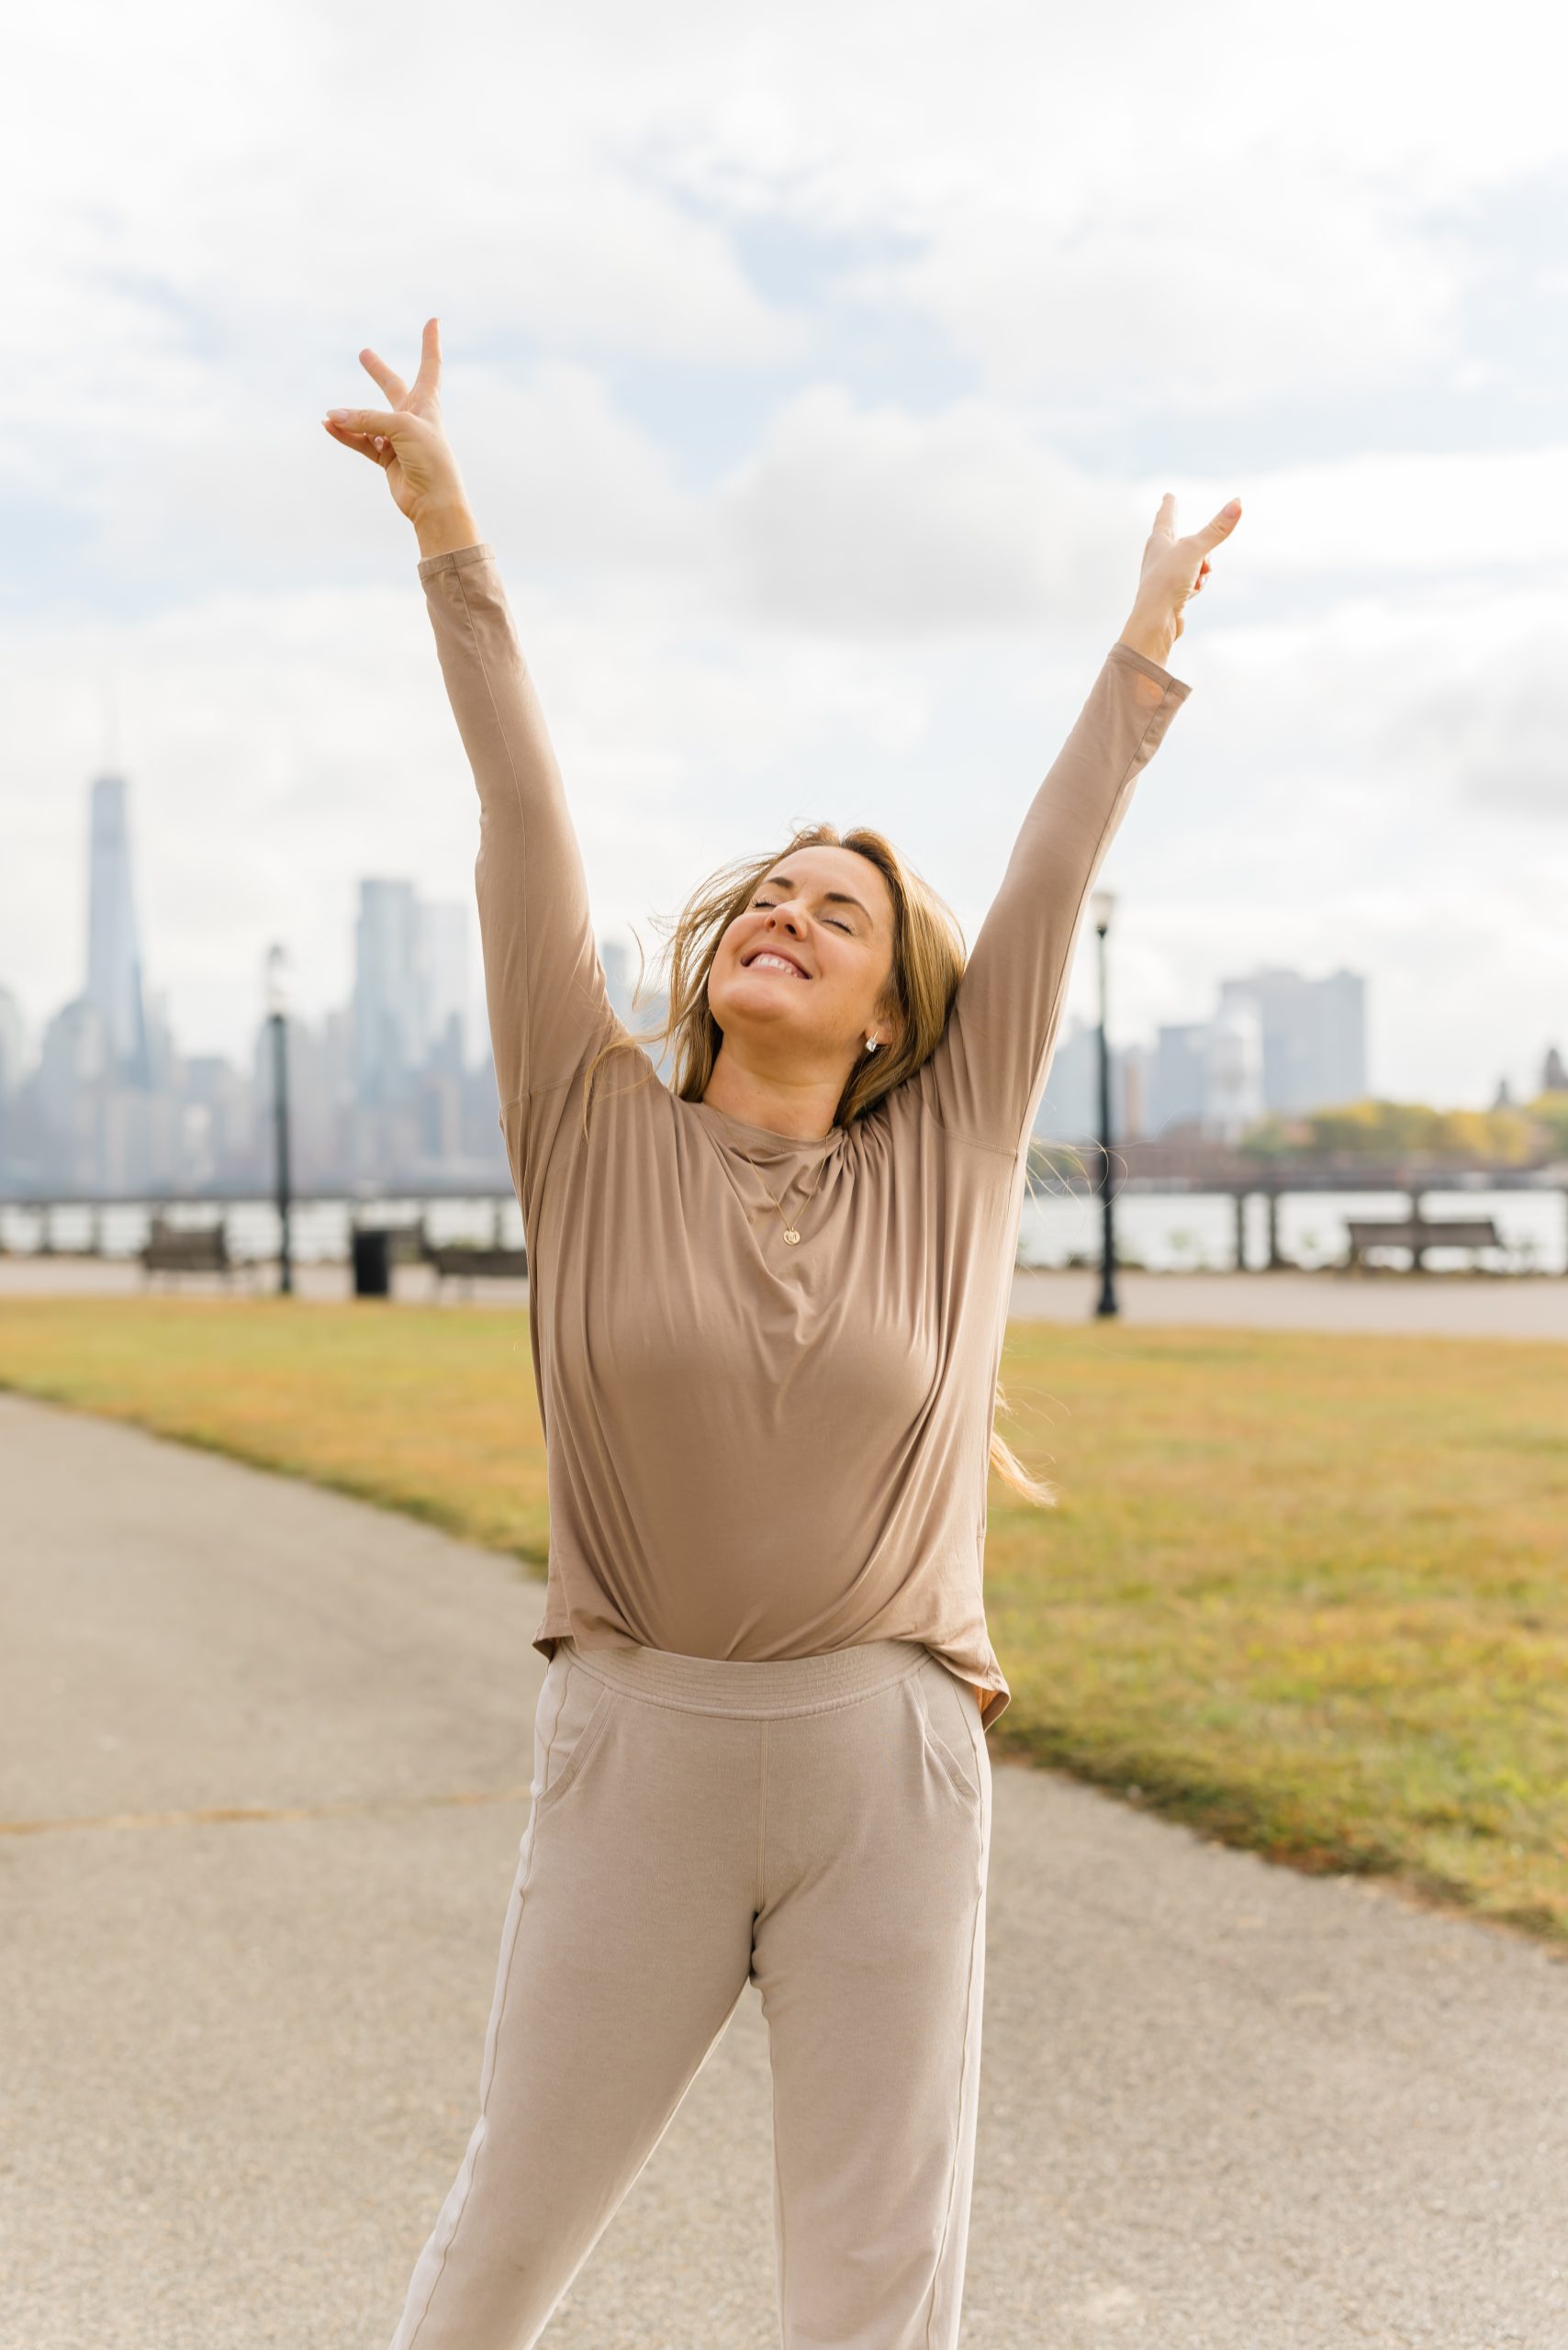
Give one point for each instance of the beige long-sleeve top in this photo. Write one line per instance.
(758, 1451)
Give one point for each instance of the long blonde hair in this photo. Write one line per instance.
(927, 965)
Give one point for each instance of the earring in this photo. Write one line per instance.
(871, 1044)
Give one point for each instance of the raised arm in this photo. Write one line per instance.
(984, 1081)
(544, 984)
(544, 980)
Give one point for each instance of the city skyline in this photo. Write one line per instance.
(394, 1083)
(418, 958)
(1512, 1062)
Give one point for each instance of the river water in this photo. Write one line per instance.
(1195, 1232)
(1167, 1231)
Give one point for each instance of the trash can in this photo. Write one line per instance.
(371, 1260)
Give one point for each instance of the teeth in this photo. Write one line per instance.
(777, 962)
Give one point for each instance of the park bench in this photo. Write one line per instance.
(187, 1248)
(1418, 1235)
(469, 1260)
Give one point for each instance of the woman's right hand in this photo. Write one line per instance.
(407, 440)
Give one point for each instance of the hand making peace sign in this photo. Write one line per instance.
(407, 442)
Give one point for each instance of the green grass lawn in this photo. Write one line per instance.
(1306, 1593)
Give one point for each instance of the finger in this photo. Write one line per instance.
(356, 440)
(1223, 522)
(391, 382)
(1166, 519)
(368, 421)
(429, 377)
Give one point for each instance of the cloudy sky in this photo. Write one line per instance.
(816, 373)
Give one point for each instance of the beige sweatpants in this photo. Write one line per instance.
(820, 1825)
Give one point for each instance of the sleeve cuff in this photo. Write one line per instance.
(482, 552)
(1178, 686)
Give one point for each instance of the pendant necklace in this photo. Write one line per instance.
(792, 1232)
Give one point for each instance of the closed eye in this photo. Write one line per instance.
(758, 903)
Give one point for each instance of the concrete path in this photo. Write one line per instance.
(265, 1756)
(1455, 1305)
(1450, 1305)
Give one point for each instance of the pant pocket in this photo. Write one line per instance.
(574, 1709)
(950, 1725)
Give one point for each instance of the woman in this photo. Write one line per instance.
(766, 1310)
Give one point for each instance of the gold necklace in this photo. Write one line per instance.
(791, 1233)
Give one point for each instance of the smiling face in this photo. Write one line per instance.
(800, 972)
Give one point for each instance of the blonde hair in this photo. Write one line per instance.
(927, 965)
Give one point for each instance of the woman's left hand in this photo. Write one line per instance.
(1173, 569)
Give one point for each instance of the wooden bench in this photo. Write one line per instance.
(188, 1248)
(1418, 1235)
(469, 1260)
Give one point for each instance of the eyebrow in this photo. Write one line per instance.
(829, 897)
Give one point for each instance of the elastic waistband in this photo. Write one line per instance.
(722, 1684)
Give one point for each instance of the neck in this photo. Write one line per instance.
(800, 1108)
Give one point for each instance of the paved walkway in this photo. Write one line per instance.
(265, 1761)
(1457, 1305)
(1452, 1306)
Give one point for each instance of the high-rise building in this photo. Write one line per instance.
(74, 1073)
(1277, 1042)
(1233, 1071)
(1137, 1070)
(12, 1044)
(443, 939)
(388, 1013)
(1177, 1081)
(1070, 1106)
(1067, 1110)
(114, 947)
(638, 1011)
(1315, 1047)
(411, 996)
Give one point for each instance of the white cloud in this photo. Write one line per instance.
(1436, 515)
(1210, 307)
(774, 346)
(881, 523)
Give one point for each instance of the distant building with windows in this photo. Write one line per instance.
(1314, 1037)
(114, 944)
(1177, 1079)
(1070, 1109)
(1276, 1042)
(387, 1012)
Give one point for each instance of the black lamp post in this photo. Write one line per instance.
(277, 1008)
(1100, 907)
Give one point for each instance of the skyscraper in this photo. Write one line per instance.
(114, 947)
(442, 935)
(1233, 1069)
(388, 1012)
(1068, 1109)
(1314, 1051)
(1176, 1080)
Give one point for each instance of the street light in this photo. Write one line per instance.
(278, 1010)
(1100, 906)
